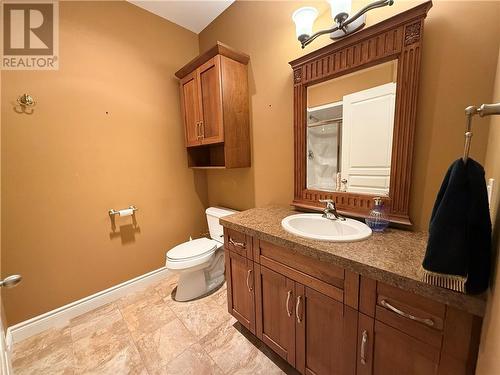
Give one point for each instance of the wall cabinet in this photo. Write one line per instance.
(201, 100)
(214, 107)
(322, 319)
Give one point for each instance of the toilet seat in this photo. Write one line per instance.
(191, 253)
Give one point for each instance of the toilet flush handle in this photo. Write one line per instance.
(10, 281)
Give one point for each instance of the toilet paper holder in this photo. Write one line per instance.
(123, 212)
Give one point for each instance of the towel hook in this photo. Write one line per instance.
(26, 100)
(483, 110)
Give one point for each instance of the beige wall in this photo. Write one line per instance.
(458, 68)
(106, 133)
(335, 89)
(489, 352)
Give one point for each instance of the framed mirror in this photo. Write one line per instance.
(354, 118)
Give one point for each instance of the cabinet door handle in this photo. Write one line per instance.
(288, 311)
(248, 280)
(299, 319)
(364, 341)
(426, 321)
(237, 244)
(198, 130)
(202, 129)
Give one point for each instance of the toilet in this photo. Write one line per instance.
(200, 262)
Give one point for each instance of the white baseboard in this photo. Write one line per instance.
(62, 315)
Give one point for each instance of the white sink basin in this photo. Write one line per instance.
(316, 227)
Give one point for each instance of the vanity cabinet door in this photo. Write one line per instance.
(190, 109)
(240, 289)
(326, 334)
(275, 312)
(383, 350)
(212, 130)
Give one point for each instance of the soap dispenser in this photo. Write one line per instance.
(377, 219)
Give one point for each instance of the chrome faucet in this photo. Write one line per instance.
(330, 211)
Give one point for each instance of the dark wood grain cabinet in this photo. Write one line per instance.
(324, 320)
(214, 107)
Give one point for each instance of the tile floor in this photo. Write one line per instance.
(149, 333)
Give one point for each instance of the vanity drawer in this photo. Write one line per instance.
(326, 272)
(415, 315)
(238, 242)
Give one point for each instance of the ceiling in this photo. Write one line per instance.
(193, 15)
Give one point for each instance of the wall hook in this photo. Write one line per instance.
(26, 100)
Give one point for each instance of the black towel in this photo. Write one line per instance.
(458, 253)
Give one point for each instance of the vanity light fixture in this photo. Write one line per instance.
(344, 25)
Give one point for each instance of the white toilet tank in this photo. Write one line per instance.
(213, 216)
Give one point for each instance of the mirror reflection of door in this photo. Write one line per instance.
(367, 142)
(350, 121)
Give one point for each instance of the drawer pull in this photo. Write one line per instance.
(364, 341)
(299, 319)
(248, 280)
(236, 243)
(426, 321)
(288, 311)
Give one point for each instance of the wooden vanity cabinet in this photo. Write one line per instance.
(311, 331)
(384, 350)
(403, 333)
(240, 289)
(214, 107)
(325, 320)
(325, 334)
(275, 311)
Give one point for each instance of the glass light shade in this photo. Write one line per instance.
(304, 19)
(340, 6)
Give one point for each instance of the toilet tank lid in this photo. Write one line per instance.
(219, 211)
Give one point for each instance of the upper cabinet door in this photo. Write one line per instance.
(210, 101)
(326, 334)
(190, 109)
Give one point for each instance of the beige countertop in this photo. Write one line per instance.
(393, 257)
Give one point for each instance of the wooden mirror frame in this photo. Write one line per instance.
(396, 38)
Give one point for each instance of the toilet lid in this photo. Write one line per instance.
(192, 249)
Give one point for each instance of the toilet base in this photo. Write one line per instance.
(194, 283)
